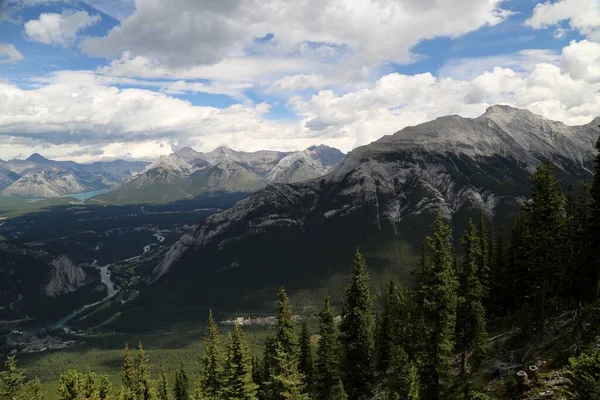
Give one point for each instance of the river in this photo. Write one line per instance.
(105, 278)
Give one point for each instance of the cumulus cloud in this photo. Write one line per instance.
(581, 60)
(581, 15)
(184, 33)
(9, 53)
(74, 109)
(59, 29)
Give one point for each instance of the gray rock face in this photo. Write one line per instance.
(452, 164)
(65, 277)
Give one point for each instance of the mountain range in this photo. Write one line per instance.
(379, 197)
(187, 173)
(38, 176)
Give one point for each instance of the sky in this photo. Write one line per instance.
(90, 80)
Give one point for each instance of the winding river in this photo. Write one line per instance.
(105, 278)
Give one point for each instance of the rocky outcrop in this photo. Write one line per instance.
(65, 277)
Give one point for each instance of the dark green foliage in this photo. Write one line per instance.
(13, 380)
(327, 373)
(482, 258)
(437, 291)
(357, 329)
(162, 391)
(284, 381)
(211, 376)
(338, 392)
(471, 333)
(128, 372)
(546, 220)
(305, 364)
(36, 390)
(584, 375)
(143, 386)
(387, 329)
(73, 385)
(182, 386)
(238, 371)
(594, 228)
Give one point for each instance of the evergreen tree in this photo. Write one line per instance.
(36, 390)
(143, 386)
(546, 220)
(240, 385)
(327, 366)
(387, 329)
(13, 380)
(483, 257)
(128, 373)
(284, 380)
(70, 386)
(437, 287)
(268, 369)
(358, 333)
(594, 259)
(163, 388)
(305, 364)
(471, 326)
(211, 376)
(338, 392)
(181, 388)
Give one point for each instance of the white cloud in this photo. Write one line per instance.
(582, 15)
(9, 53)
(184, 33)
(81, 108)
(296, 82)
(581, 60)
(59, 29)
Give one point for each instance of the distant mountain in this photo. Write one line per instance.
(187, 173)
(380, 196)
(41, 285)
(38, 176)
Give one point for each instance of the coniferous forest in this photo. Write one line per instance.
(488, 305)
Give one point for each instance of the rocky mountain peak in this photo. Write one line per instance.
(37, 158)
(65, 277)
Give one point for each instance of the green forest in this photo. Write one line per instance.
(492, 313)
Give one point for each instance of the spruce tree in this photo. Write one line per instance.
(471, 325)
(594, 253)
(13, 379)
(357, 329)
(128, 373)
(36, 390)
(387, 332)
(239, 385)
(305, 364)
(437, 289)
(483, 257)
(163, 388)
(327, 365)
(70, 386)
(268, 369)
(546, 219)
(338, 392)
(284, 381)
(211, 376)
(143, 386)
(181, 388)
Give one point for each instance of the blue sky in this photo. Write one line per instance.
(103, 79)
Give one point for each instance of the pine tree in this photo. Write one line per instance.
(163, 388)
(483, 257)
(128, 373)
(546, 220)
(437, 288)
(338, 392)
(327, 365)
(594, 278)
(268, 369)
(181, 388)
(13, 379)
(357, 329)
(143, 386)
(388, 333)
(284, 381)
(211, 376)
(36, 390)
(471, 326)
(305, 364)
(70, 386)
(240, 385)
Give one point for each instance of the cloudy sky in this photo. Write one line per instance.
(101, 79)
